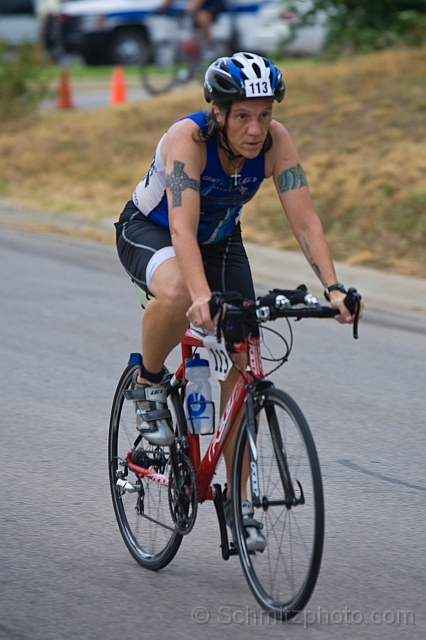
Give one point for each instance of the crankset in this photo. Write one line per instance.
(183, 496)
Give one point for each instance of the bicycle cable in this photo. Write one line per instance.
(288, 345)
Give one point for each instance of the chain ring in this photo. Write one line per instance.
(184, 503)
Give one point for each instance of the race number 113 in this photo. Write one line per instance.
(258, 88)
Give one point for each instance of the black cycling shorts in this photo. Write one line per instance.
(138, 240)
(214, 7)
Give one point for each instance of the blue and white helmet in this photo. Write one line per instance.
(243, 75)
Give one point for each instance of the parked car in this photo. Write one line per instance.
(132, 31)
(19, 22)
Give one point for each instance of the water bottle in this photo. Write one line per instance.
(199, 405)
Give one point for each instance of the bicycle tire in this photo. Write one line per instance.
(282, 577)
(153, 546)
(177, 69)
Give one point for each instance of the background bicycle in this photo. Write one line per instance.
(156, 490)
(182, 56)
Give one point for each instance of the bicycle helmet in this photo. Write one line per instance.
(243, 75)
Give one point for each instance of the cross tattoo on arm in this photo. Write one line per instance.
(177, 181)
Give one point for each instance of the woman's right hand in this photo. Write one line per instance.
(199, 315)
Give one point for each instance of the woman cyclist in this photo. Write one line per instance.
(179, 238)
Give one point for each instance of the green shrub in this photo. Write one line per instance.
(22, 86)
(368, 25)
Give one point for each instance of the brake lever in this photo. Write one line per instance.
(353, 304)
(214, 305)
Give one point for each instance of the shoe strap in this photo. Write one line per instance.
(155, 414)
(247, 508)
(251, 522)
(152, 394)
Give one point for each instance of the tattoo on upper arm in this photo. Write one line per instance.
(177, 181)
(293, 178)
(312, 262)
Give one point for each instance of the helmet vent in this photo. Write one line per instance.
(257, 71)
(223, 83)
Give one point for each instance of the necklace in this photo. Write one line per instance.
(236, 175)
(231, 156)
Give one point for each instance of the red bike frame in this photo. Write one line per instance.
(205, 468)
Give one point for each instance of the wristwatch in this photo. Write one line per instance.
(334, 287)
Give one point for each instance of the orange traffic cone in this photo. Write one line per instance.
(118, 87)
(63, 100)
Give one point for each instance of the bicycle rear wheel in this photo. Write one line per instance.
(143, 512)
(283, 576)
(174, 66)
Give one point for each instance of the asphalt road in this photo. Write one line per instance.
(91, 94)
(96, 93)
(69, 318)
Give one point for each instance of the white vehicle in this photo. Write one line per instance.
(132, 31)
(19, 22)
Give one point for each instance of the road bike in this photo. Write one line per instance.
(156, 490)
(181, 57)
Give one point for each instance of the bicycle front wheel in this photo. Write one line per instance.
(142, 507)
(282, 577)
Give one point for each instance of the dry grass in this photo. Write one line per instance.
(359, 124)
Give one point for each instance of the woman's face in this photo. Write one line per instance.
(247, 125)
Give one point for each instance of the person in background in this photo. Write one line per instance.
(203, 13)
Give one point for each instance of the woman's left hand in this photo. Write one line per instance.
(337, 301)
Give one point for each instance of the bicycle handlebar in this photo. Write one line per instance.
(279, 303)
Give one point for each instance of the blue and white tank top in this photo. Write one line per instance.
(222, 196)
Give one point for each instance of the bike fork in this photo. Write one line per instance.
(279, 451)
